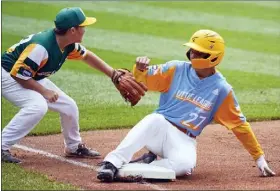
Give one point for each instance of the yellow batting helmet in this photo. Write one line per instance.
(209, 42)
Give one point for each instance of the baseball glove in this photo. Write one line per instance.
(129, 88)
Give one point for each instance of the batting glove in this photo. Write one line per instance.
(142, 62)
(263, 166)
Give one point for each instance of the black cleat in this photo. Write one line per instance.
(107, 172)
(146, 158)
(6, 156)
(82, 152)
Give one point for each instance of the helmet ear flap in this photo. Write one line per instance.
(188, 54)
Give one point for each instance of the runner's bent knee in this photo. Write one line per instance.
(155, 118)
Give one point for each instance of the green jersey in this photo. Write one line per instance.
(38, 56)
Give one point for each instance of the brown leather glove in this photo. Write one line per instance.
(129, 88)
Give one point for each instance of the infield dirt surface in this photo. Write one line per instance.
(222, 162)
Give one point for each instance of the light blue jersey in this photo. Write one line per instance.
(190, 102)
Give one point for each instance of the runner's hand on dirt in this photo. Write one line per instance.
(263, 167)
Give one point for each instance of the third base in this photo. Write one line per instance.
(146, 171)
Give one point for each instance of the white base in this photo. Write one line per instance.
(146, 171)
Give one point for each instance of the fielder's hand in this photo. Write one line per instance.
(263, 166)
(50, 95)
(129, 88)
(142, 62)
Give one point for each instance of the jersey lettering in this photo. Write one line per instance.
(190, 122)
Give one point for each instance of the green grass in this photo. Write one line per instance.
(115, 59)
(90, 117)
(116, 116)
(174, 30)
(257, 112)
(15, 178)
(124, 116)
(222, 8)
(248, 81)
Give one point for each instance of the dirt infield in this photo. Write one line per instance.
(222, 162)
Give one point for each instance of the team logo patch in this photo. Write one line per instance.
(152, 69)
(194, 38)
(24, 72)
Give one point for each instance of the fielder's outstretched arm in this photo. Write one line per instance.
(125, 83)
(97, 63)
(79, 52)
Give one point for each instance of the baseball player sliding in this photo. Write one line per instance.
(25, 67)
(193, 94)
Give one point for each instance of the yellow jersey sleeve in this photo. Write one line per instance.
(78, 52)
(156, 77)
(229, 115)
(247, 137)
(32, 58)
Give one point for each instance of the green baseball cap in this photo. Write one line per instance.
(72, 17)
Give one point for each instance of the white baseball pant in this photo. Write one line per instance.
(33, 106)
(177, 150)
